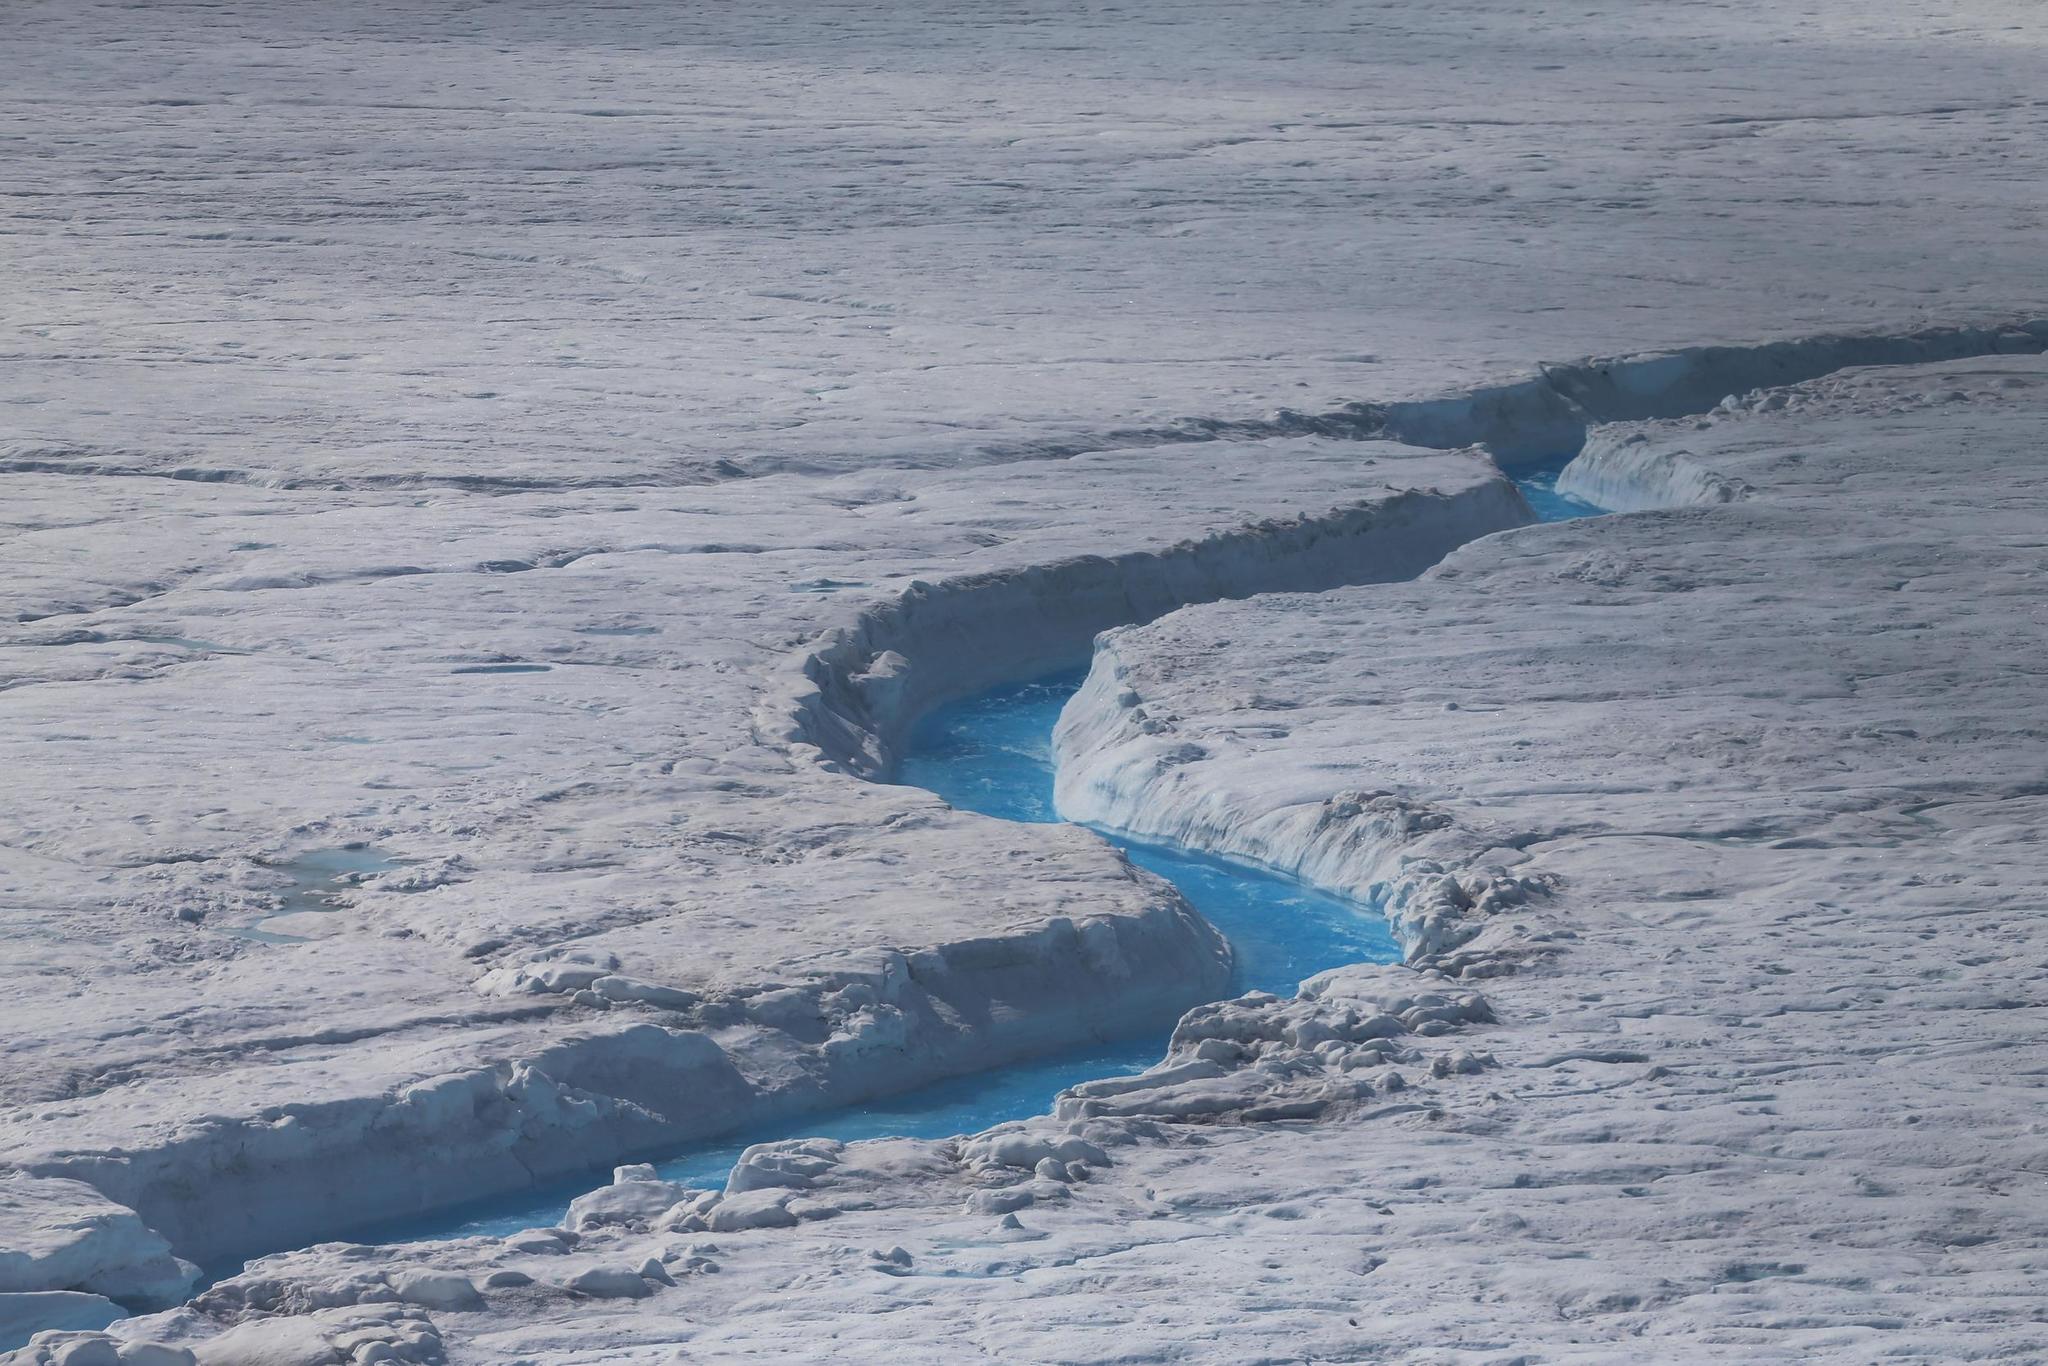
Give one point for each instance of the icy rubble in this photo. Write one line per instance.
(1366, 1038)
(1261, 1057)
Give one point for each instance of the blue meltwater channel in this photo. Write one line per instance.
(993, 754)
(1538, 484)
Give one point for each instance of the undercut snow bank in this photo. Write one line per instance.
(228, 1186)
(58, 1235)
(1119, 765)
(851, 698)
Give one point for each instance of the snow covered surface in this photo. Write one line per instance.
(1780, 1031)
(485, 488)
(1762, 1085)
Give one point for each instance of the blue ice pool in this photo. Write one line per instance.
(319, 880)
(1538, 483)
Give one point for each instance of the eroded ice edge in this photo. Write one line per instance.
(992, 754)
(875, 705)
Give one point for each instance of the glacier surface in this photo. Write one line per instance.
(490, 491)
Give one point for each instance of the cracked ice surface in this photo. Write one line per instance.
(449, 432)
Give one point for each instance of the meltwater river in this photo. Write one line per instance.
(993, 754)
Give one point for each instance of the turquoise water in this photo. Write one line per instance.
(319, 877)
(993, 754)
(1538, 484)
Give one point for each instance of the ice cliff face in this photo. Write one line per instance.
(852, 697)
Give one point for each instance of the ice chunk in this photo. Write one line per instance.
(60, 1234)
